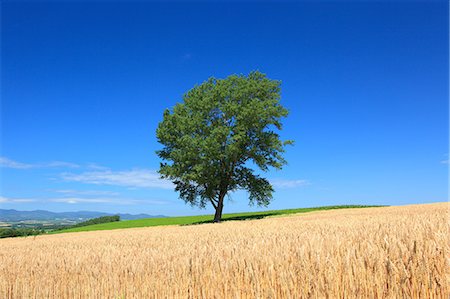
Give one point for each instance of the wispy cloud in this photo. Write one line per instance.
(146, 178)
(116, 201)
(95, 166)
(445, 161)
(8, 163)
(285, 183)
(58, 164)
(15, 200)
(80, 199)
(87, 192)
(136, 178)
(73, 200)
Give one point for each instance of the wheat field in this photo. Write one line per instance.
(391, 252)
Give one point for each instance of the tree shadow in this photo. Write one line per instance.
(237, 218)
(261, 215)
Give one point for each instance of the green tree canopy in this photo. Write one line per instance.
(211, 139)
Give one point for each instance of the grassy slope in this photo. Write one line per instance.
(185, 220)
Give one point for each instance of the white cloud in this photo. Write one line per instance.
(87, 192)
(146, 178)
(445, 161)
(8, 163)
(284, 183)
(95, 166)
(58, 164)
(118, 201)
(136, 178)
(15, 200)
(75, 200)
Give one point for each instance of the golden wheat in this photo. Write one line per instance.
(392, 252)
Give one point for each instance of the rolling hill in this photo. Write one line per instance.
(42, 215)
(189, 220)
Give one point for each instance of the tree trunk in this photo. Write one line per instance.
(218, 215)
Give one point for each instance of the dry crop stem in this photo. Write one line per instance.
(393, 252)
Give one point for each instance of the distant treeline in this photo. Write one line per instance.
(19, 232)
(23, 232)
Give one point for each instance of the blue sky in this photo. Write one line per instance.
(84, 85)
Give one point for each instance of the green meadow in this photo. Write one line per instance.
(191, 220)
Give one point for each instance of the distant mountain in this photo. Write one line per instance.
(42, 215)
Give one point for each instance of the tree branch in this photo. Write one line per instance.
(212, 202)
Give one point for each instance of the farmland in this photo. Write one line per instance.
(188, 220)
(390, 252)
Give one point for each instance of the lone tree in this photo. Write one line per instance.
(212, 139)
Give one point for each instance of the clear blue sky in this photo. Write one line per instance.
(84, 85)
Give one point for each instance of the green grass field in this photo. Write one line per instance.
(191, 220)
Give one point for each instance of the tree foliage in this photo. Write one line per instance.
(98, 220)
(221, 129)
(19, 232)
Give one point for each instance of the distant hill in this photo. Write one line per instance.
(42, 215)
